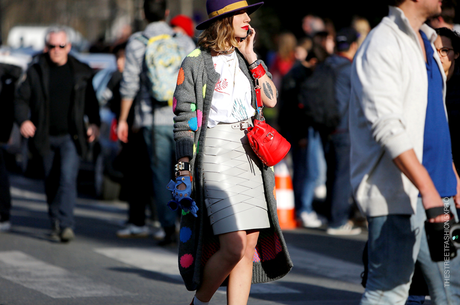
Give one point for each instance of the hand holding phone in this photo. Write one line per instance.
(248, 33)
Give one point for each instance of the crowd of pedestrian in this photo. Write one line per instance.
(371, 116)
(320, 153)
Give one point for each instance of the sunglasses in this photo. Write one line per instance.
(52, 46)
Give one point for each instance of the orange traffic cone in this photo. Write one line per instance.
(284, 197)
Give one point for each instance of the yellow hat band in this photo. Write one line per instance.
(229, 8)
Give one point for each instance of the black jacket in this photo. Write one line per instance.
(453, 111)
(32, 103)
(9, 74)
(292, 120)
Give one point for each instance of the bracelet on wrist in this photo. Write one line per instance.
(258, 71)
(254, 64)
(182, 166)
(184, 173)
(182, 169)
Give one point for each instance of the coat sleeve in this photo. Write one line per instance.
(22, 99)
(92, 104)
(378, 82)
(188, 118)
(130, 83)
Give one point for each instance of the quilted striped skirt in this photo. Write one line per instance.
(235, 198)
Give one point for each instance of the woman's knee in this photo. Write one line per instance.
(251, 243)
(233, 246)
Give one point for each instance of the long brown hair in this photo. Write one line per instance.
(219, 36)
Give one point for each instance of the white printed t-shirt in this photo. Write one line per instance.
(231, 101)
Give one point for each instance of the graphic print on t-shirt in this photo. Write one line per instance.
(239, 112)
(221, 85)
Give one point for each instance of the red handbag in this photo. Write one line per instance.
(267, 143)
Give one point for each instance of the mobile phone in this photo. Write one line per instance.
(247, 34)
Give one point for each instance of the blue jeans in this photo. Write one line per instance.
(163, 160)
(395, 243)
(308, 170)
(415, 300)
(339, 178)
(61, 170)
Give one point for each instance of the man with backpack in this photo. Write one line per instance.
(338, 142)
(153, 59)
(297, 126)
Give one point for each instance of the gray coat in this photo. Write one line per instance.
(192, 103)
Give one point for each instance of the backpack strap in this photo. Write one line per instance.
(148, 40)
(142, 38)
(159, 37)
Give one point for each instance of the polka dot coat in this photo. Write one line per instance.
(192, 102)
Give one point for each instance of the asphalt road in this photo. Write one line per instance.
(99, 268)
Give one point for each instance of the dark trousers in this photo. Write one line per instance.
(138, 176)
(5, 196)
(61, 170)
(338, 178)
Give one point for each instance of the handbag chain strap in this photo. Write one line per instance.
(259, 100)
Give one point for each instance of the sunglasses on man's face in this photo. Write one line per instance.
(52, 46)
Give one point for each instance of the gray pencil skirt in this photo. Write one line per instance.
(235, 197)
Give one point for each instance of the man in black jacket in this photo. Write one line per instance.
(50, 106)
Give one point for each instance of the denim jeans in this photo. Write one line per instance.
(415, 300)
(163, 160)
(5, 195)
(61, 170)
(395, 243)
(308, 170)
(339, 178)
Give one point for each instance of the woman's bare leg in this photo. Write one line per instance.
(218, 267)
(239, 282)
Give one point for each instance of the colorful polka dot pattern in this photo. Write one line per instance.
(174, 104)
(185, 234)
(194, 123)
(199, 116)
(180, 77)
(186, 260)
(195, 53)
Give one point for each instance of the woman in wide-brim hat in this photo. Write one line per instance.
(235, 238)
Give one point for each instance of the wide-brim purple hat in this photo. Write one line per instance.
(221, 8)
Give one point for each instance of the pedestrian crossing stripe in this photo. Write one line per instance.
(162, 261)
(50, 280)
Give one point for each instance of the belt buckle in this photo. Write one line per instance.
(244, 125)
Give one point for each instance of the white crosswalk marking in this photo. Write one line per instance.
(329, 270)
(50, 280)
(151, 259)
(165, 262)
